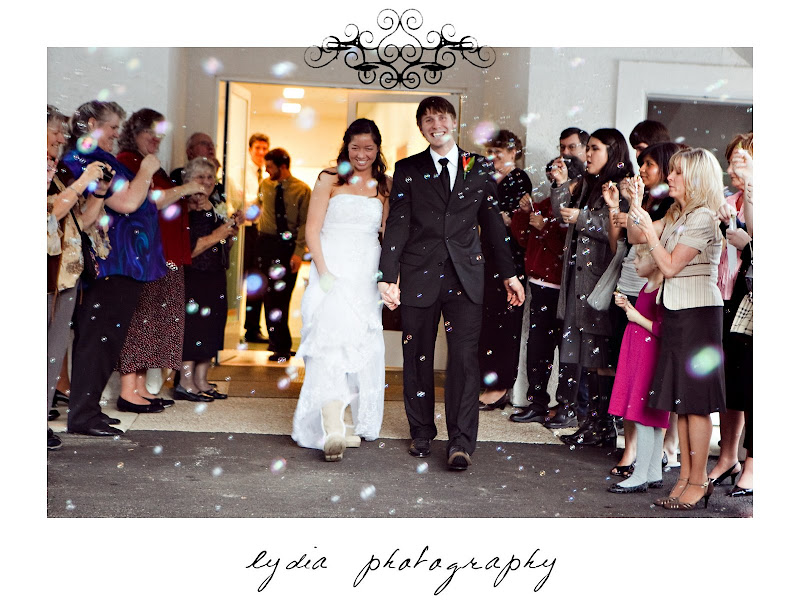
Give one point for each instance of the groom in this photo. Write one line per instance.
(439, 199)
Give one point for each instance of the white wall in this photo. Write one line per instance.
(133, 77)
(578, 86)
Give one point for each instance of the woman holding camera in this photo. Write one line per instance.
(135, 257)
(205, 284)
(68, 214)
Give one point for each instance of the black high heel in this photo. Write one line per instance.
(501, 403)
(729, 472)
(622, 470)
(59, 397)
(738, 491)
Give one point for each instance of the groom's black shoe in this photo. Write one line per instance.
(458, 458)
(420, 447)
(535, 413)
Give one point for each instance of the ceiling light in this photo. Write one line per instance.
(293, 93)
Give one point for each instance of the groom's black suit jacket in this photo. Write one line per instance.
(423, 229)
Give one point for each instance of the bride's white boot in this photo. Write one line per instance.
(334, 443)
(352, 440)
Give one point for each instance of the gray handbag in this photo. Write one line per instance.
(600, 297)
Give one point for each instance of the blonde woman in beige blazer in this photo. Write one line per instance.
(686, 245)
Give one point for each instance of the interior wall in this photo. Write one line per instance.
(133, 77)
(578, 87)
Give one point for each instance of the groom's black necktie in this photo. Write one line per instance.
(444, 176)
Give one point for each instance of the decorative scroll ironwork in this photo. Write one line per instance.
(393, 63)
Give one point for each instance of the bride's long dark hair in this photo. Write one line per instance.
(358, 127)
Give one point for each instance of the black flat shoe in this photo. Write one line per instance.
(534, 414)
(620, 489)
(109, 420)
(126, 406)
(52, 415)
(212, 392)
(622, 470)
(419, 447)
(563, 418)
(183, 394)
(500, 403)
(101, 430)
(53, 441)
(60, 397)
(161, 400)
(738, 491)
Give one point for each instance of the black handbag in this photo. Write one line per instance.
(90, 268)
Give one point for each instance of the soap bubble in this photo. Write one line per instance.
(277, 271)
(275, 315)
(283, 382)
(86, 144)
(367, 492)
(217, 471)
(344, 168)
(192, 307)
(660, 190)
(490, 378)
(287, 235)
(171, 212)
(422, 468)
(205, 311)
(483, 132)
(278, 465)
(212, 66)
(252, 213)
(704, 362)
(283, 69)
(200, 408)
(335, 499)
(255, 284)
(158, 450)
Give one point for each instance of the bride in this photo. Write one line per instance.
(342, 336)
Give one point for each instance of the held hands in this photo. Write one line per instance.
(516, 293)
(238, 217)
(621, 300)
(569, 215)
(737, 237)
(639, 218)
(390, 293)
(725, 212)
(93, 174)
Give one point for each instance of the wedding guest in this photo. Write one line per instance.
(102, 316)
(155, 337)
(501, 328)
(200, 144)
(205, 285)
(572, 142)
(283, 201)
(68, 214)
(647, 133)
(637, 363)
(653, 168)
(254, 173)
(737, 346)
(535, 228)
(689, 378)
(584, 348)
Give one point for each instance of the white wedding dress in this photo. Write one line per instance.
(342, 335)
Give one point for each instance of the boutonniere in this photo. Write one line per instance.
(467, 161)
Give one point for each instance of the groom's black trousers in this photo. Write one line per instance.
(462, 384)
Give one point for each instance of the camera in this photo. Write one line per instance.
(107, 176)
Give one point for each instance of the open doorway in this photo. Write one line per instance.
(308, 122)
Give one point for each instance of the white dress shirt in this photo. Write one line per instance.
(452, 163)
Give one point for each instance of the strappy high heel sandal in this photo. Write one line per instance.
(729, 472)
(335, 440)
(707, 486)
(664, 500)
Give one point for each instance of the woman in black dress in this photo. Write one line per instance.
(502, 324)
(205, 281)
